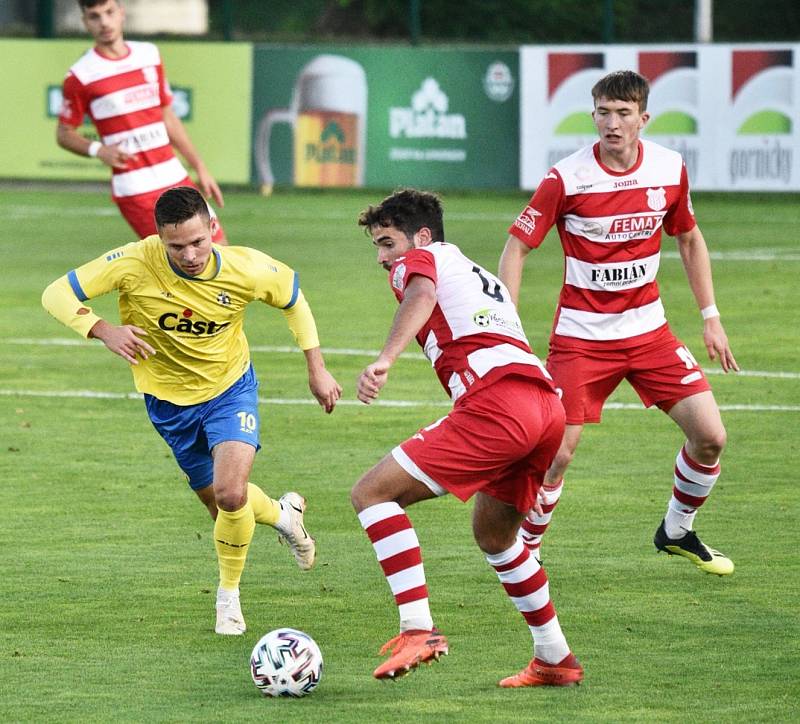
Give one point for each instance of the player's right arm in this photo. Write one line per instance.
(529, 230)
(73, 110)
(419, 301)
(65, 300)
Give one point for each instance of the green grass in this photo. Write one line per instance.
(108, 568)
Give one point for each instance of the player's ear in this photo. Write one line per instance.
(644, 119)
(423, 237)
(213, 224)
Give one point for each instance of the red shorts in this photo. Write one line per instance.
(499, 440)
(139, 212)
(662, 372)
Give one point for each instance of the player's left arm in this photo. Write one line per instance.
(697, 263)
(419, 300)
(179, 138)
(322, 384)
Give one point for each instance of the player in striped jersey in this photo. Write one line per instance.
(609, 202)
(182, 303)
(122, 87)
(499, 439)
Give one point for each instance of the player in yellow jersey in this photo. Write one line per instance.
(182, 301)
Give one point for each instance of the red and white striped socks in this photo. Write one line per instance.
(397, 547)
(693, 484)
(526, 584)
(534, 525)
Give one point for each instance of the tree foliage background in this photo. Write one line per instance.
(508, 21)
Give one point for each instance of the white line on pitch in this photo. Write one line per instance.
(91, 394)
(345, 351)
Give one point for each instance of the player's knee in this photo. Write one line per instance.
(492, 540)
(560, 463)
(230, 500)
(359, 496)
(711, 444)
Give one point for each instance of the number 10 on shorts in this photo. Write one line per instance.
(247, 421)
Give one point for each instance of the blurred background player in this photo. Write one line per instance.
(182, 302)
(609, 202)
(499, 439)
(123, 88)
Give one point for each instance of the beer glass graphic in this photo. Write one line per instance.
(327, 115)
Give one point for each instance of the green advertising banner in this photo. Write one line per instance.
(385, 116)
(208, 79)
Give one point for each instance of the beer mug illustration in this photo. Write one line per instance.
(327, 115)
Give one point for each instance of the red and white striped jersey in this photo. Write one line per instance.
(474, 334)
(124, 98)
(610, 227)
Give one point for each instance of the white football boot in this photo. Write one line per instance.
(230, 621)
(293, 532)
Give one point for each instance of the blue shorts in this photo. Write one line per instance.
(192, 431)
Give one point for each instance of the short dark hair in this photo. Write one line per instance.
(408, 210)
(180, 204)
(91, 3)
(623, 85)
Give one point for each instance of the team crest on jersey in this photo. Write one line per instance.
(150, 74)
(656, 198)
(526, 221)
(397, 277)
(224, 298)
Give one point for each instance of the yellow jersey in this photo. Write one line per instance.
(195, 324)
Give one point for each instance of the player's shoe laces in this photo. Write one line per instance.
(409, 650)
(296, 537)
(539, 673)
(230, 621)
(691, 547)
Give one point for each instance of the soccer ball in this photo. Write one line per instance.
(286, 662)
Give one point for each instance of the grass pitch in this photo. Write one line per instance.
(108, 564)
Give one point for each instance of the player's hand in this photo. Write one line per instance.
(126, 340)
(114, 156)
(325, 389)
(209, 187)
(716, 342)
(372, 379)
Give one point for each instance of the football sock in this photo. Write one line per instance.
(396, 545)
(526, 584)
(693, 484)
(266, 510)
(233, 531)
(535, 525)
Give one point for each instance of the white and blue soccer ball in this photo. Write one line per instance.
(286, 662)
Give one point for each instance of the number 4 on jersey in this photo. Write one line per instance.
(495, 293)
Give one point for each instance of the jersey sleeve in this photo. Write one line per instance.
(164, 88)
(417, 261)
(65, 298)
(680, 218)
(542, 211)
(73, 103)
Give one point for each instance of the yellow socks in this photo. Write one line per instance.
(267, 511)
(233, 532)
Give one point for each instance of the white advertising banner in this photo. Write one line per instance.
(732, 110)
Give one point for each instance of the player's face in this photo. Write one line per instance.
(188, 244)
(391, 244)
(104, 22)
(619, 124)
